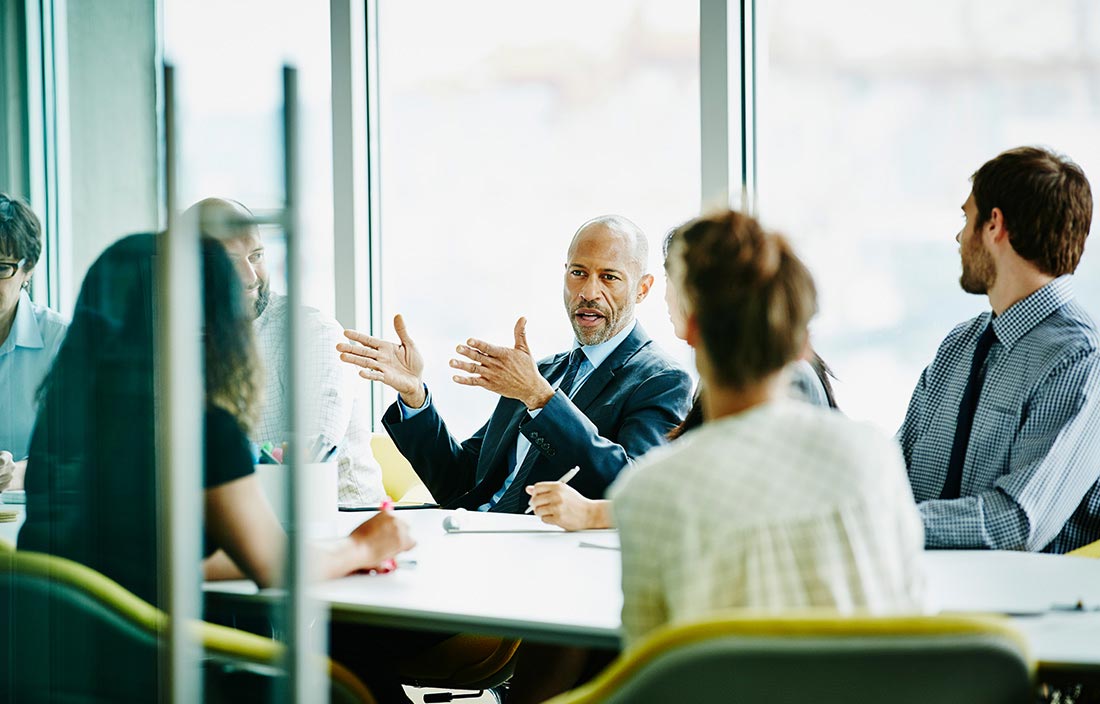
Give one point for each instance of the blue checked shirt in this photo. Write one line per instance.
(1030, 478)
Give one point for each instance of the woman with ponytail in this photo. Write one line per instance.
(771, 503)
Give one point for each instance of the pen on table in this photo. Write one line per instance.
(267, 454)
(1079, 606)
(564, 480)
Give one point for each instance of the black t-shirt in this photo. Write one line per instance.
(92, 495)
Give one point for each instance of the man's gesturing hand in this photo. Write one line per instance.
(508, 371)
(398, 366)
(7, 469)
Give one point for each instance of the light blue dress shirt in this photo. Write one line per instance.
(595, 355)
(25, 358)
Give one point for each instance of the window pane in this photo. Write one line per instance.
(505, 126)
(872, 120)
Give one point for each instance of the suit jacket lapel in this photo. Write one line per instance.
(596, 382)
(510, 413)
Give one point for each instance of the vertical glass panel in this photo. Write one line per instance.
(505, 126)
(229, 59)
(872, 120)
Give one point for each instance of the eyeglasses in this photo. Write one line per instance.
(8, 269)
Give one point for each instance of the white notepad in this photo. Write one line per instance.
(484, 522)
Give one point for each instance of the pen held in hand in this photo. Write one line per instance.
(391, 564)
(565, 478)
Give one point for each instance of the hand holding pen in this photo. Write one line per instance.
(559, 504)
(565, 478)
(384, 536)
(391, 564)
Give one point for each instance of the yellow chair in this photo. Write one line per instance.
(1090, 550)
(820, 658)
(398, 477)
(72, 634)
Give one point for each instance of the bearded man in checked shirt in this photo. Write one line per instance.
(337, 424)
(1002, 436)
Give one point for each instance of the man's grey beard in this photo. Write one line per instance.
(263, 297)
(614, 325)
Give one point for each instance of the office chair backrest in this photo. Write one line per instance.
(1090, 550)
(70, 634)
(398, 477)
(63, 643)
(824, 660)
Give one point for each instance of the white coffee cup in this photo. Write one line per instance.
(320, 490)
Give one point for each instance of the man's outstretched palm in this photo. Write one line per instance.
(398, 366)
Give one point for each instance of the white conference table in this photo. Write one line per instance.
(547, 587)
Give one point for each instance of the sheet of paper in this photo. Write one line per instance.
(607, 540)
(484, 522)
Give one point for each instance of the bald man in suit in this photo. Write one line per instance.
(598, 406)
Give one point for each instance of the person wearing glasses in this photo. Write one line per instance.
(29, 337)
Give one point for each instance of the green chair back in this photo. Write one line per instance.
(823, 659)
(73, 635)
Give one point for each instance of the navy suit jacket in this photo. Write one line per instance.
(624, 408)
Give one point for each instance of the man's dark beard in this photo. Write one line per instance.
(263, 297)
(978, 273)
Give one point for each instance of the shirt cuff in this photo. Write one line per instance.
(407, 412)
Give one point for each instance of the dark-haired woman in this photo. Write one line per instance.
(770, 504)
(91, 477)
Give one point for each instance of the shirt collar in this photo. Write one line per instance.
(24, 329)
(1024, 315)
(596, 354)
